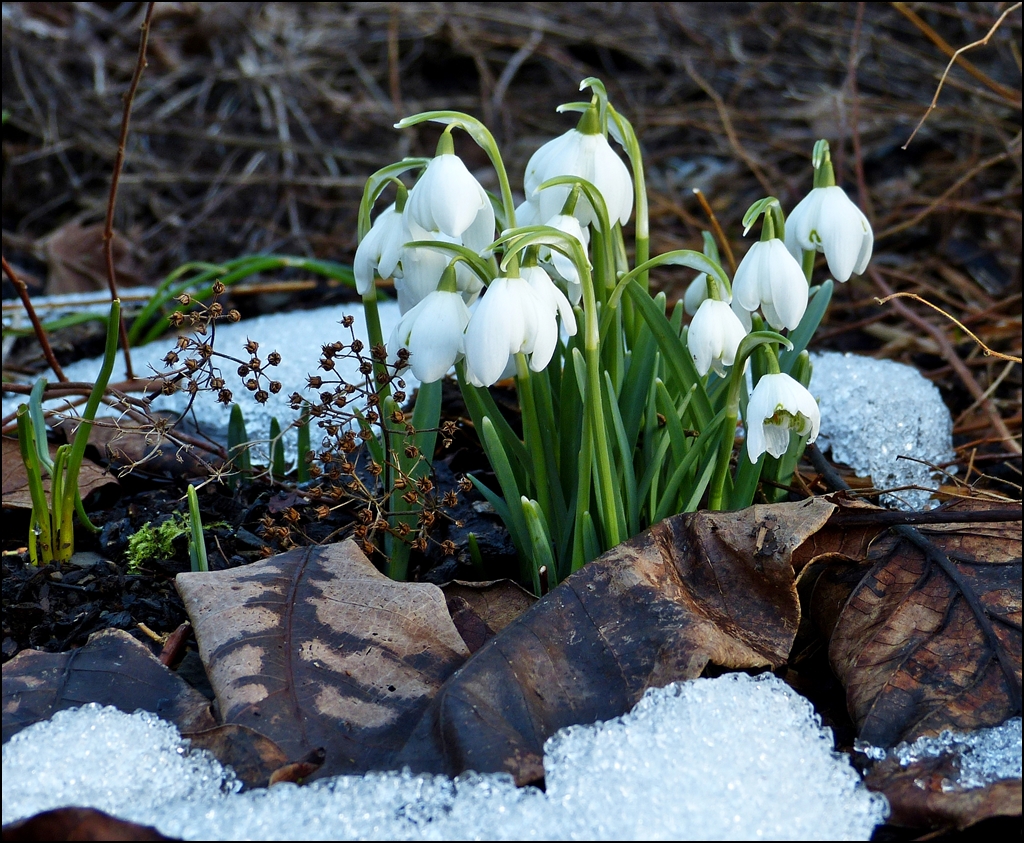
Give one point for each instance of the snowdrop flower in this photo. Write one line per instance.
(434, 333)
(552, 301)
(714, 336)
(769, 277)
(778, 405)
(589, 156)
(564, 266)
(422, 267)
(380, 250)
(448, 198)
(510, 318)
(696, 294)
(826, 220)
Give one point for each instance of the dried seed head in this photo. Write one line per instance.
(347, 321)
(273, 359)
(275, 387)
(218, 288)
(262, 396)
(184, 299)
(234, 316)
(251, 346)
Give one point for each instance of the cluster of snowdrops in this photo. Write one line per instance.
(629, 409)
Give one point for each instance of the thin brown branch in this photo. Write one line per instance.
(122, 140)
(723, 241)
(948, 352)
(37, 326)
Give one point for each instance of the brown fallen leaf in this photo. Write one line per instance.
(697, 588)
(77, 262)
(914, 654)
(316, 648)
(480, 610)
(111, 669)
(253, 757)
(924, 795)
(15, 481)
(78, 824)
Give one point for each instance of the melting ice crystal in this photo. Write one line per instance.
(733, 757)
(874, 413)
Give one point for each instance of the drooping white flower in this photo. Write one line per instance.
(826, 220)
(590, 157)
(714, 336)
(553, 301)
(449, 199)
(563, 265)
(769, 277)
(507, 320)
(422, 267)
(696, 293)
(778, 405)
(380, 250)
(434, 333)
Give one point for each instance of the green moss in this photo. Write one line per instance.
(155, 542)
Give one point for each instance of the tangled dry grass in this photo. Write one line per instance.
(256, 125)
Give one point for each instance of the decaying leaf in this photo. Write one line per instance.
(316, 648)
(111, 669)
(15, 482)
(702, 587)
(924, 794)
(78, 824)
(77, 261)
(253, 757)
(914, 654)
(480, 610)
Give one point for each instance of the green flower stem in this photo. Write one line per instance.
(609, 500)
(807, 264)
(532, 435)
(751, 342)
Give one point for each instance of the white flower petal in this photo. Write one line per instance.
(777, 405)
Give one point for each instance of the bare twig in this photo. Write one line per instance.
(37, 326)
(108, 227)
(723, 241)
(951, 357)
(988, 351)
(1012, 96)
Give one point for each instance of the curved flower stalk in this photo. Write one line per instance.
(826, 220)
(779, 404)
(586, 153)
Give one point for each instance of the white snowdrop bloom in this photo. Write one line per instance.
(553, 301)
(434, 333)
(696, 294)
(590, 157)
(778, 405)
(422, 267)
(769, 277)
(564, 266)
(528, 213)
(507, 320)
(828, 221)
(380, 250)
(449, 199)
(714, 336)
